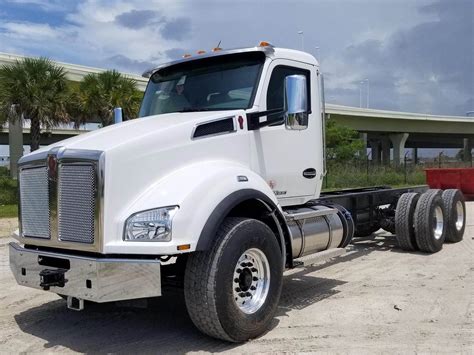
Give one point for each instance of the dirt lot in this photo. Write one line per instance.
(376, 299)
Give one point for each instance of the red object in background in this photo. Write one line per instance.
(453, 178)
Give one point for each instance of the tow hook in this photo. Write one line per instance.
(52, 277)
(74, 303)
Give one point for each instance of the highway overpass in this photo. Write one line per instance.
(383, 130)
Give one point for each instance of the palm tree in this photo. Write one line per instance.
(98, 95)
(34, 89)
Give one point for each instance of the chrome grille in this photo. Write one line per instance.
(34, 199)
(76, 202)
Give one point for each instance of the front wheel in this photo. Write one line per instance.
(232, 290)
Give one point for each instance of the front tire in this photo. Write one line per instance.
(232, 290)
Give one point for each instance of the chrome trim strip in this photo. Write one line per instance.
(52, 163)
(34, 158)
(94, 279)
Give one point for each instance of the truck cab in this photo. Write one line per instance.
(215, 187)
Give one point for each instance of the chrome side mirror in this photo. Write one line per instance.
(296, 102)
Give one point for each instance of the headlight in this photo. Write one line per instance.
(151, 225)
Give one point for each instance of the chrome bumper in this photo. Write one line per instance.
(93, 279)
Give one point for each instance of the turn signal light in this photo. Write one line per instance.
(184, 247)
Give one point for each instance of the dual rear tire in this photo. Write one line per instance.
(424, 222)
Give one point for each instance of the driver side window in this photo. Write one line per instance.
(276, 87)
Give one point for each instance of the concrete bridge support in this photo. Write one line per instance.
(414, 155)
(467, 150)
(376, 152)
(385, 151)
(398, 141)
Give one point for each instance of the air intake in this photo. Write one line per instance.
(214, 128)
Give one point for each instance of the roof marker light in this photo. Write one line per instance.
(187, 55)
(201, 52)
(216, 49)
(265, 44)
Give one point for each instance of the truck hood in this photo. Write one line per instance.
(108, 138)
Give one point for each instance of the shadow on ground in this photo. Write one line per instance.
(164, 325)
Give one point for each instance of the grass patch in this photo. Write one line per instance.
(355, 174)
(8, 211)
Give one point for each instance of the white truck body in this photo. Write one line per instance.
(229, 189)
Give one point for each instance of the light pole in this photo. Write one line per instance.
(301, 33)
(318, 54)
(360, 93)
(368, 91)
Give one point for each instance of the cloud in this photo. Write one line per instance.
(426, 68)
(101, 33)
(176, 29)
(137, 19)
(47, 5)
(122, 62)
(175, 53)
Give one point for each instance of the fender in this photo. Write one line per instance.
(208, 233)
(199, 190)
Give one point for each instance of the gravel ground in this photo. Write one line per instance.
(374, 299)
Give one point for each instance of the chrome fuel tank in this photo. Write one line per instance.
(315, 228)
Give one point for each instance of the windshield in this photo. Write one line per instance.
(210, 84)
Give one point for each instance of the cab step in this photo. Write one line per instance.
(318, 257)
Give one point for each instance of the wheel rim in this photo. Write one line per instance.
(251, 280)
(438, 222)
(460, 215)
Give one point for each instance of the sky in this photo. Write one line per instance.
(418, 55)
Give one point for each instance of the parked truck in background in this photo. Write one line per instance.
(216, 188)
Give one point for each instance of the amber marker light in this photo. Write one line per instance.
(184, 247)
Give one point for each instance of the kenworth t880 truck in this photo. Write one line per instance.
(215, 188)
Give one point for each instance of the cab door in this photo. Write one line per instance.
(290, 160)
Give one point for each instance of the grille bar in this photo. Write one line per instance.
(34, 202)
(77, 187)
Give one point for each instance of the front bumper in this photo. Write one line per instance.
(93, 279)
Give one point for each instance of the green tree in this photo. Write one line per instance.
(34, 89)
(98, 95)
(342, 143)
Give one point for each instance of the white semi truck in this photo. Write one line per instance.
(216, 188)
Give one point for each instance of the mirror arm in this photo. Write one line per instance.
(253, 118)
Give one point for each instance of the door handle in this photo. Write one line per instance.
(309, 173)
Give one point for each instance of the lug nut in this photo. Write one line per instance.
(243, 264)
(255, 278)
(236, 280)
(253, 288)
(242, 294)
(237, 289)
(254, 269)
(239, 271)
(248, 294)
